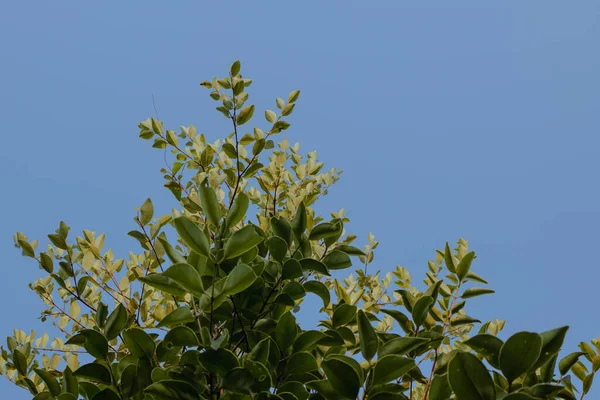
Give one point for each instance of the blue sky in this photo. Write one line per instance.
(450, 119)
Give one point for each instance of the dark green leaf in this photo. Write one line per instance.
(401, 346)
(421, 309)
(95, 372)
(519, 353)
(245, 115)
(319, 289)
(292, 269)
(404, 322)
(487, 345)
(210, 204)
(172, 390)
(337, 260)
(369, 343)
(219, 361)
(463, 267)
(301, 362)
(192, 235)
(342, 377)
(310, 264)
(277, 247)
(93, 341)
(448, 259)
(49, 380)
(552, 342)
(116, 322)
(181, 336)
(181, 315)
(241, 241)
(238, 209)
(343, 314)
(164, 284)
(139, 343)
(286, 331)
(391, 367)
(470, 379)
(238, 280)
(472, 292)
(186, 277)
(300, 220)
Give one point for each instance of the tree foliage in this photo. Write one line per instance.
(208, 307)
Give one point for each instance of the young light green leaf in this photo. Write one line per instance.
(146, 212)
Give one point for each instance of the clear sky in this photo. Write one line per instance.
(475, 119)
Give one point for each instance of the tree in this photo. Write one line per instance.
(207, 310)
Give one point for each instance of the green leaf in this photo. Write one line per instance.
(391, 367)
(58, 241)
(319, 289)
(139, 343)
(95, 372)
(182, 336)
(180, 315)
(449, 260)
(291, 269)
(238, 380)
(164, 284)
(440, 388)
(277, 247)
(343, 314)
(46, 262)
(337, 260)
(404, 322)
(245, 115)
(238, 280)
(552, 342)
(401, 345)
(367, 335)
(463, 267)
(310, 264)
(219, 361)
(342, 377)
(70, 384)
(193, 237)
(93, 341)
(286, 331)
(20, 362)
(323, 230)
(101, 314)
(49, 380)
(210, 204)
(238, 210)
(519, 353)
(568, 361)
(324, 389)
(146, 212)
(282, 228)
(300, 220)
(301, 362)
(470, 379)
(173, 254)
(421, 309)
(172, 390)
(308, 340)
(350, 250)
(186, 277)
(235, 68)
(106, 394)
(116, 322)
(241, 241)
(473, 292)
(487, 345)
